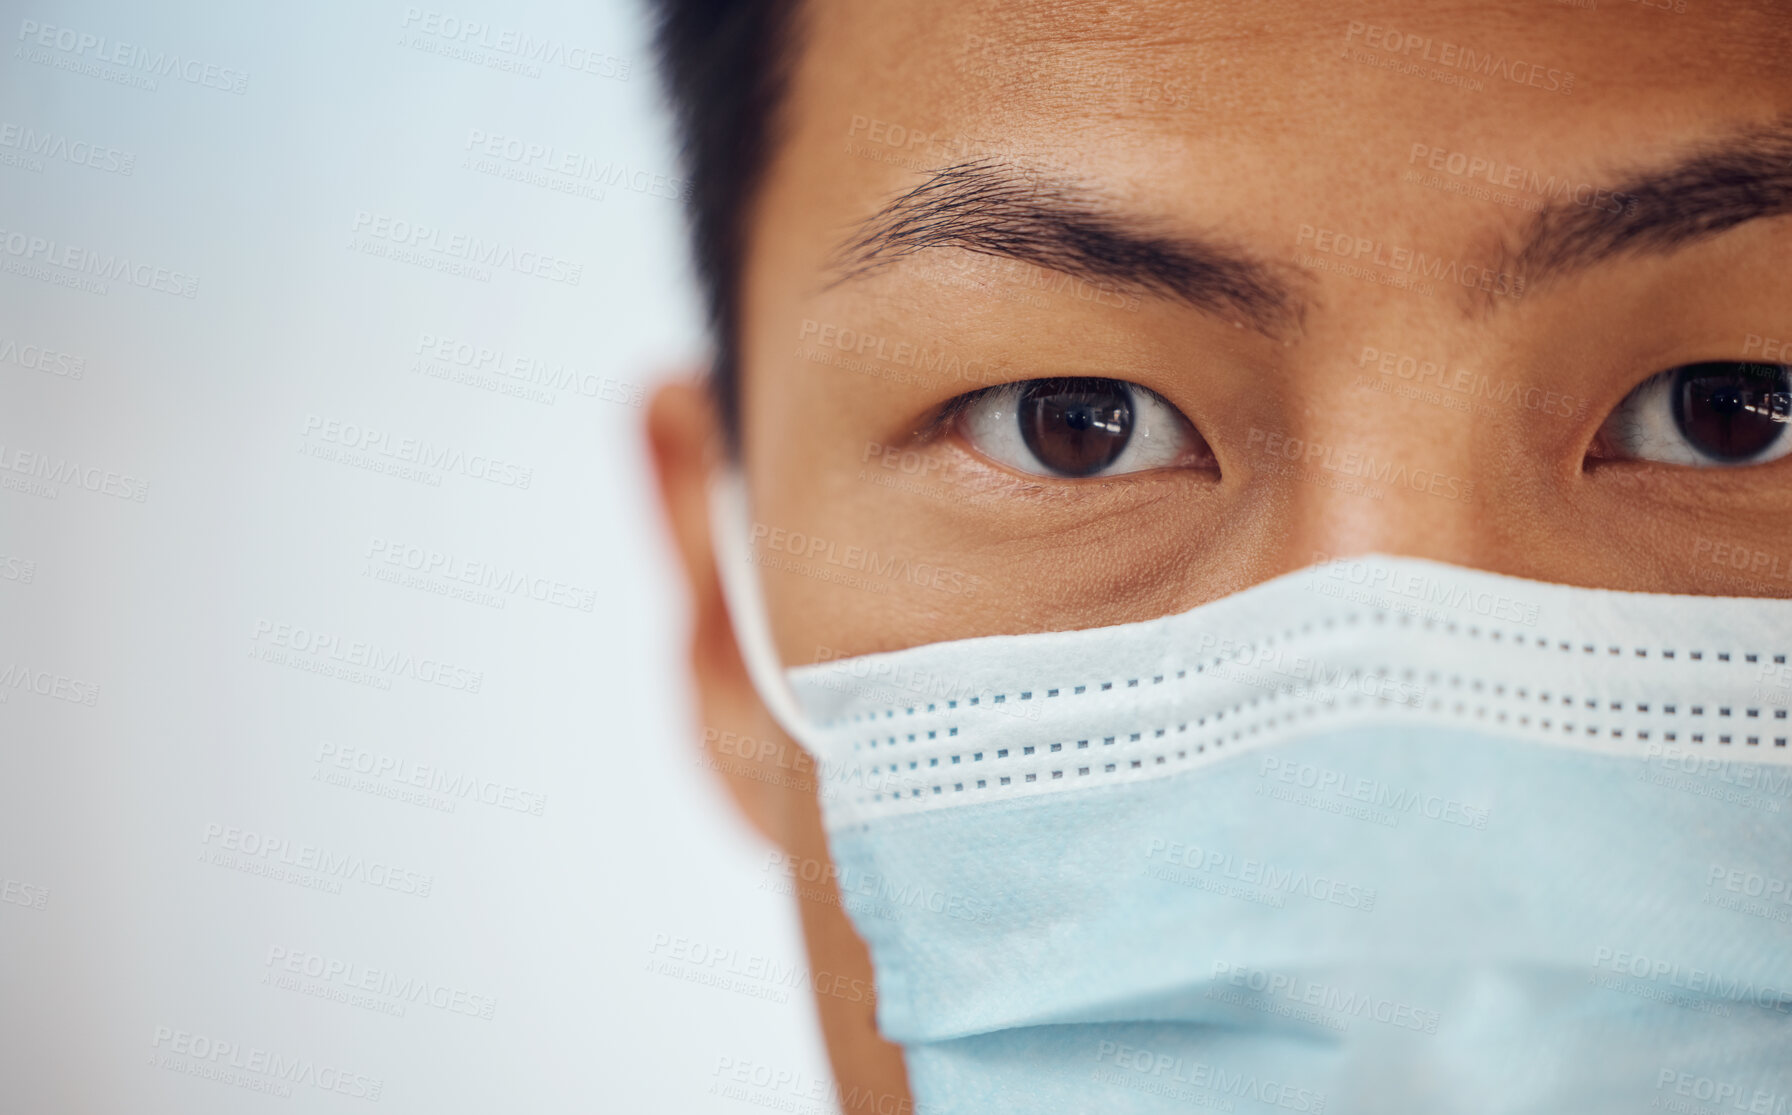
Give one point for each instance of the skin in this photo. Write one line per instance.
(1241, 121)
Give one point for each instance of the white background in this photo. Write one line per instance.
(158, 755)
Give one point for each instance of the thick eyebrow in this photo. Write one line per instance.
(1718, 186)
(999, 209)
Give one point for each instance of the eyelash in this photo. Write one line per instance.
(1075, 428)
(942, 419)
(1636, 428)
(947, 415)
(1619, 430)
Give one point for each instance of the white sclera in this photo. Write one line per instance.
(1643, 428)
(1160, 434)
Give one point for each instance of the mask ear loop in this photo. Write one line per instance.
(731, 538)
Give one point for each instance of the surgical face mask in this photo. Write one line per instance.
(1382, 835)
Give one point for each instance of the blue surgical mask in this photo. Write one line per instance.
(1382, 835)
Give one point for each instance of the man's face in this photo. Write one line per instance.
(1322, 280)
(1389, 270)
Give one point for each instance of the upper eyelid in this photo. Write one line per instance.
(1666, 373)
(949, 410)
(958, 404)
(1662, 380)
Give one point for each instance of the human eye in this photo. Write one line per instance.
(1719, 413)
(1078, 428)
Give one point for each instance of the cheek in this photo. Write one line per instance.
(1738, 560)
(889, 558)
(1701, 532)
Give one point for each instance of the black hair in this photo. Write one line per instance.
(725, 65)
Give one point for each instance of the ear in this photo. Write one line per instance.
(773, 780)
(768, 775)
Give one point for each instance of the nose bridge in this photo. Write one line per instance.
(1373, 461)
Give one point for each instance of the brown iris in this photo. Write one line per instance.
(1076, 427)
(1730, 411)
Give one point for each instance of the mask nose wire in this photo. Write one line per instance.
(730, 532)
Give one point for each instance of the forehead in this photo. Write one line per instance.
(1284, 67)
(1219, 108)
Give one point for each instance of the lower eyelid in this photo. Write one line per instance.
(949, 413)
(1642, 430)
(1172, 435)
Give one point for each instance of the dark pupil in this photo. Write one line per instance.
(1729, 411)
(1076, 427)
